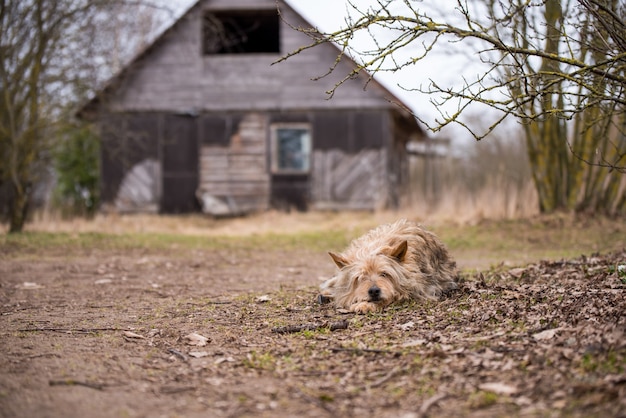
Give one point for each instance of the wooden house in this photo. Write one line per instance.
(202, 120)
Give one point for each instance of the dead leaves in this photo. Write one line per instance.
(199, 354)
(132, 336)
(528, 341)
(289, 329)
(29, 286)
(196, 339)
(498, 388)
(545, 335)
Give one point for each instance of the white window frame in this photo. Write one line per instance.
(275, 148)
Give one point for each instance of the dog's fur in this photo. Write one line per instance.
(392, 263)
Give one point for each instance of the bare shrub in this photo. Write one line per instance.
(490, 179)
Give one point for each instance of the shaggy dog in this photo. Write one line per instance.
(392, 263)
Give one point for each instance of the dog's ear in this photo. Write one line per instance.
(399, 251)
(339, 260)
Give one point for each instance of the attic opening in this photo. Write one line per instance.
(241, 32)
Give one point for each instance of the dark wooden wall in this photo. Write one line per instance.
(175, 74)
(126, 140)
(225, 156)
(170, 141)
(179, 157)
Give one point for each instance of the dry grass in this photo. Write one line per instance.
(483, 206)
(273, 222)
(477, 244)
(490, 180)
(493, 201)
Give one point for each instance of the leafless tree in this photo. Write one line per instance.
(53, 53)
(556, 66)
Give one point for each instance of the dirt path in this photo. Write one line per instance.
(103, 334)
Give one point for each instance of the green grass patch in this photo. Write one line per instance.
(488, 243)
(482, 399)
(261, 361)
(518, 242)
(612, 362)
(29, 242)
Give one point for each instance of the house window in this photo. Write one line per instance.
(291, 148)
(241, 32)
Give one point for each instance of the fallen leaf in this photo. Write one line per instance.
(498, 388)
(224, 359)
(517, 272)
(198, 354)
(414, 343)
(409, 325)
(30, 286)
(263, 299)
(196, 339)
(154, 332)
(130, 334)
(546, 335)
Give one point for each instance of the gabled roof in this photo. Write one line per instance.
(86, 111)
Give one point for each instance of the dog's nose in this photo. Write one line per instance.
(374, 293)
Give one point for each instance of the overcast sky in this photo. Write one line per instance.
(445, 68)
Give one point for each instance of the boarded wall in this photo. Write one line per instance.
(233, 174)
(129, 162)
(219, 162)
(149, 162)
(349, 180)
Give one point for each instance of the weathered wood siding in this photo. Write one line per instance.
(234, 177)
(140, 190)
(349, 180)
(174, 74)
(129, 152)
(179, 159)
(149, 162)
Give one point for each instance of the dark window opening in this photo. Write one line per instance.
(291, 148)
(241, 32)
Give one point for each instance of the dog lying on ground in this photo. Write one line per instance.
(392, 263)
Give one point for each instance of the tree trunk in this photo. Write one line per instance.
(18, 208)
(545, 135)
(567, 169)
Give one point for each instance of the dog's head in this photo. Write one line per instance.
(374, 278)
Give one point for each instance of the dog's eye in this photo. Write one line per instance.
(385, 274)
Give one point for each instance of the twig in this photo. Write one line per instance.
(366, 350)
(72, 382)
(211, 302)
(69, 330)
(43, 355)
(485, 337)
(178, 354)
(176, 389)
(393, 372)
(430, 402)
(311, 327)
(316, 402)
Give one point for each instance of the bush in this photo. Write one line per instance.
(76, 161)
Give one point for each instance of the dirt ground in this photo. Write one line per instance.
(118, 333)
